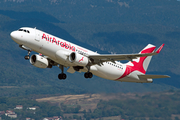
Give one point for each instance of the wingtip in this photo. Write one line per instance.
(160, 48)
(168, 76)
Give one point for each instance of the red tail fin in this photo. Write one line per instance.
(141, 64)
(160, 48)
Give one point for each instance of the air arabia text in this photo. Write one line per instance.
(62, 44)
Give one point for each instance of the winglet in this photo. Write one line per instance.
(159, 49)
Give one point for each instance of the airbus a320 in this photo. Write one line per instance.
(54, 51)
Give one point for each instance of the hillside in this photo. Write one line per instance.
(161, 106)
(105, 11)
(107, 26)
(151, 106)
(87, 101)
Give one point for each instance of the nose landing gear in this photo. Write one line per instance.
(27, 56)
(28, 49)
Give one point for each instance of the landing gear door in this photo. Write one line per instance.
(37, 35)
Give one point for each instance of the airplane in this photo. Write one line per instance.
(54, 51)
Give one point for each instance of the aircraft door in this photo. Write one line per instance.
(38, 43)
(37, 35)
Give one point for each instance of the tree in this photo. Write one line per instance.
(77, 109)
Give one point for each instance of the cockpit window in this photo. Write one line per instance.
(24, 30)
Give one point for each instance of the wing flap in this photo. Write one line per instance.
(153, 76)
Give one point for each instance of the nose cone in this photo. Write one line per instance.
(15, 36)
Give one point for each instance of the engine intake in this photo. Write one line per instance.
(39, 61)
(78, 59)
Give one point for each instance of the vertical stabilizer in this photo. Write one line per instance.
(141, 64)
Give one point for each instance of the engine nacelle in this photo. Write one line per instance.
(39, 61)
(78, 59)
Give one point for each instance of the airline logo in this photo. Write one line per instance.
(58, 42)
(137, 66)
(81, 59)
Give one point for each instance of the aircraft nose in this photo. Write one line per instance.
(13, 35)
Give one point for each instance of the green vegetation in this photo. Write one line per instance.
(43, 109)
(151, 105)
(28, 91)
(154, 106)
(70, 109)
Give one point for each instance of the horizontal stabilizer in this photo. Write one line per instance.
(153, 76)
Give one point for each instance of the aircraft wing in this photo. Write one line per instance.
(119, 57)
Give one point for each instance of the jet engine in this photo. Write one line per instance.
(78, 59)
(39, 61)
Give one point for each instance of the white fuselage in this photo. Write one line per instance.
(49, 45)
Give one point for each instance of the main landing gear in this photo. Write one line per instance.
(62, 76)
(88, 74)
(27, 56)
